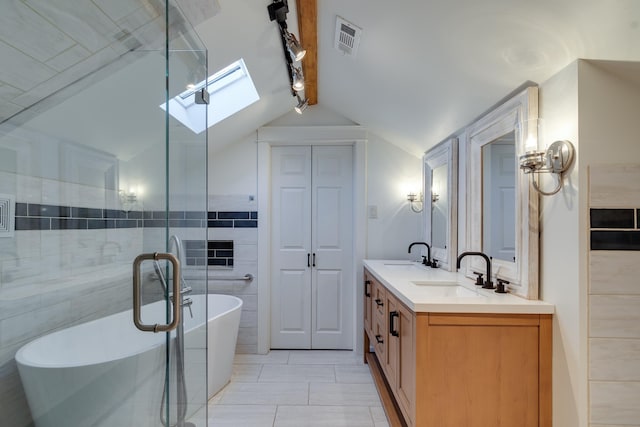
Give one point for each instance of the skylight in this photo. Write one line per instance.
(230, 90)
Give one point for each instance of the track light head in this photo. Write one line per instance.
(302, 104)
(297, 78)
(293, 46)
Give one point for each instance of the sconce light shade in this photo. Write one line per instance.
(557, 159)
(297, 78)
(293, 46)
(302, 104)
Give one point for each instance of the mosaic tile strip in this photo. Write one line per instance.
(33, 216)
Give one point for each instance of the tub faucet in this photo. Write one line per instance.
(175, 241)
(488, 284)
(425, 260)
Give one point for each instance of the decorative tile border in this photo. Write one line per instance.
(615, 229)
(217, 253)
(237, 219)
(32, 216)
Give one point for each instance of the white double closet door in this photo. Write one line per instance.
(312, 280)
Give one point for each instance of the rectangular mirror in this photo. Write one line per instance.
(502, 218)
(499, 198)
(440, 189)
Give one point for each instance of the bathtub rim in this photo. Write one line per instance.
(21, 360)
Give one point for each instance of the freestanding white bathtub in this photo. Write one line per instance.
(108, 373)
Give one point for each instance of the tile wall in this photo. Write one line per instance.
(236, 221)
(69, 261)
(614, 295)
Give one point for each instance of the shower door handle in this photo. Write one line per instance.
(137, 302)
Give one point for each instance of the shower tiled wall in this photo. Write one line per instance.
(53, 273)
(242, 210)
(614, 295)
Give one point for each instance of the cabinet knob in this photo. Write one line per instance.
(379, 339)
(379, 302)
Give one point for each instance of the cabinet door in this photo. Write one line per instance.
(390, 363)
(368, 300)
(406, 372)
(379, 323)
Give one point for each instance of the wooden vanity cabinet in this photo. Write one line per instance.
(464, 369)
(392, 335)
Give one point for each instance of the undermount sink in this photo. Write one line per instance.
(440, 290)
(401, 266)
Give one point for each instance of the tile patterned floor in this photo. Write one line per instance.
(298, 388)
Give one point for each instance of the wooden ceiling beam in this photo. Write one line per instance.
(308, 27)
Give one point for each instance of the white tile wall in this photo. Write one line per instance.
(245, 260)
(614, 317)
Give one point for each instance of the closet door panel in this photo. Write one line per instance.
(291, 247)
(332, 231)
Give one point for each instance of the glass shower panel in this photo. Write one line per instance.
(88, 182)
(187, 210)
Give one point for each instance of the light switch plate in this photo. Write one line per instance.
(373, 211)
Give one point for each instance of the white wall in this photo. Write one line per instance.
(233, 168)
(595, 105)
(609, 108)
(560, 282)
(391, 174)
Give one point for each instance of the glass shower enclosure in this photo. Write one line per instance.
(100, 189)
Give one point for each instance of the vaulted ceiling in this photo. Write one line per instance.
(423, 69)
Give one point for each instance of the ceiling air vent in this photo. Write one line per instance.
(347, 37)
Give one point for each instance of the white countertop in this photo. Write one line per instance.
(425, 289)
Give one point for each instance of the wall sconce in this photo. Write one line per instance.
(293, 51)
(128, 199)
(414, 199)
(557, 159)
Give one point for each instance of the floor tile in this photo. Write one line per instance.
(242, 415)
(274, 356)
(246, 372)
(324, 357)
(323, 416)
(343, 394)
(356, 374)
(297, 373)
(265, 394)
(379, 417)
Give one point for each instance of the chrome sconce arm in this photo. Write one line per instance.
(556, 159)
(413, 199)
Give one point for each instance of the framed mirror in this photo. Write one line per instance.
(502, 218)
(441, 195)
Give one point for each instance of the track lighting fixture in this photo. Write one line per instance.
(302, 104)
(293, 51)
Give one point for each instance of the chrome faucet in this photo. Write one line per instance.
(486, 285)
(425, 260)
